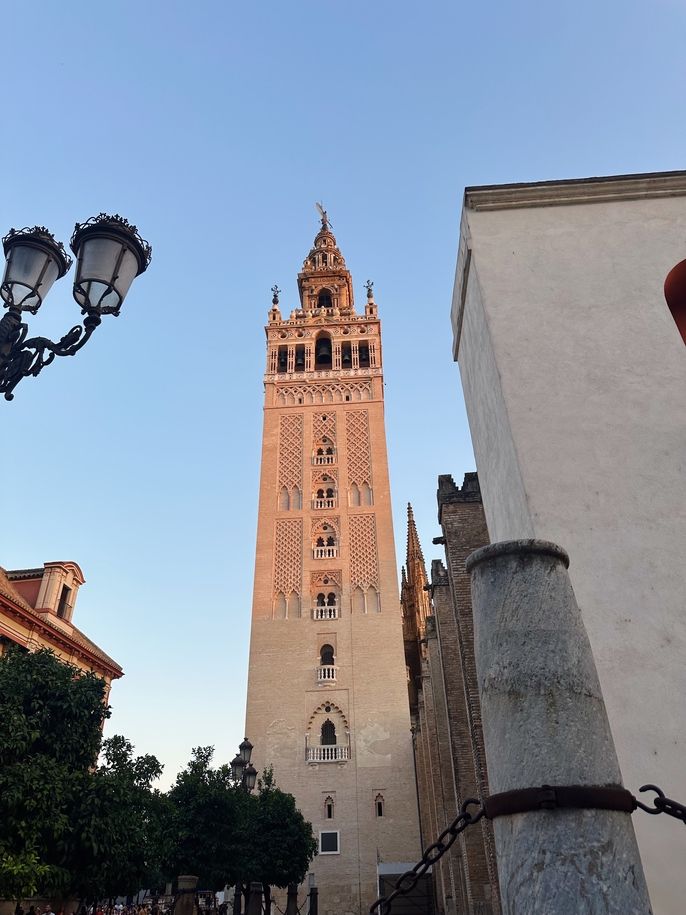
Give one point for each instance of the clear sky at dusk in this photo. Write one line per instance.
(214, 126)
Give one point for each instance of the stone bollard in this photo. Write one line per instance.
(185, 900)
(254, 906)
(237, 893)
(544, 722)
(292, 899)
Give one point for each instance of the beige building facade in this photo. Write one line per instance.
(36, 611)
(574, 375)
(327, 693)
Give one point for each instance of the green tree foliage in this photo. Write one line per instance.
(68, 826)
(281, 840)
(226, 836)
(115, 834)
(50, 729)
(203, 832)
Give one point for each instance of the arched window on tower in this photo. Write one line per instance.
(328, 734)
(358, 600)
(284, 500)
(372, 600)
(326, 654)
(346, 356)
(322, 352)
(330, 599)
(282, 359)
(321, 599)
(379, 804)
(293, 605)
(328, 808)
(324, 298)
(355, 494)
(280, 606)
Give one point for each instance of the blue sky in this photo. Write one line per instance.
(214, 126)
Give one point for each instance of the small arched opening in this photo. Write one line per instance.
(324, 299)
(328, 734)
(322, 352)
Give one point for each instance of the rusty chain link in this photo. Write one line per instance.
(408, 881)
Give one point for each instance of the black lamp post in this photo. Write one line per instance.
(109, 252)
(241, 769)
(243, 772)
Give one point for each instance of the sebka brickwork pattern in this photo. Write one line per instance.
(324, 426)
(288, 556)
(364, 563)
(359, 454)
(291, 451)
(342, 392)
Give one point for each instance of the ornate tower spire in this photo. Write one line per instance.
(415, 598)
(324, 283)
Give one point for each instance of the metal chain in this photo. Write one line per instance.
(663, 804)
(407, 882)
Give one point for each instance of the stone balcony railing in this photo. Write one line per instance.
(324, 503)
(324, 459)
(325, 613)
(328, 754)
(326, 673)
(325, 552)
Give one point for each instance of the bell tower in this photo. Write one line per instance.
(327, 691)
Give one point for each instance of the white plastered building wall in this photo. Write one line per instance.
(574, 377)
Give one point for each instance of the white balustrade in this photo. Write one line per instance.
(323, 503)
(326, 673)
(325, 613)
(327, 754)
(325, 552)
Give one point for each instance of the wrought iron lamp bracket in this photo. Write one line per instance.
(20, 358)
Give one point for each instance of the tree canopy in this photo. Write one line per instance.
(73, 826)
(67, 825)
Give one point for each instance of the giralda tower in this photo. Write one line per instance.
(327, 692)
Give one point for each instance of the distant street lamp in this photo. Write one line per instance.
(109, 252)
(243, 772)
(241, 769)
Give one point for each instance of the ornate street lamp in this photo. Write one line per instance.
(237, 766)
(245, 750)
(241, 770)
(109, 252)
(250, 777)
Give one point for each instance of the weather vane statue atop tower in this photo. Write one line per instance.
(323, 215)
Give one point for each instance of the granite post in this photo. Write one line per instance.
(186, 890)
(544, 722)
(254, 906)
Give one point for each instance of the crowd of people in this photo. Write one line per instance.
(97, 909)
